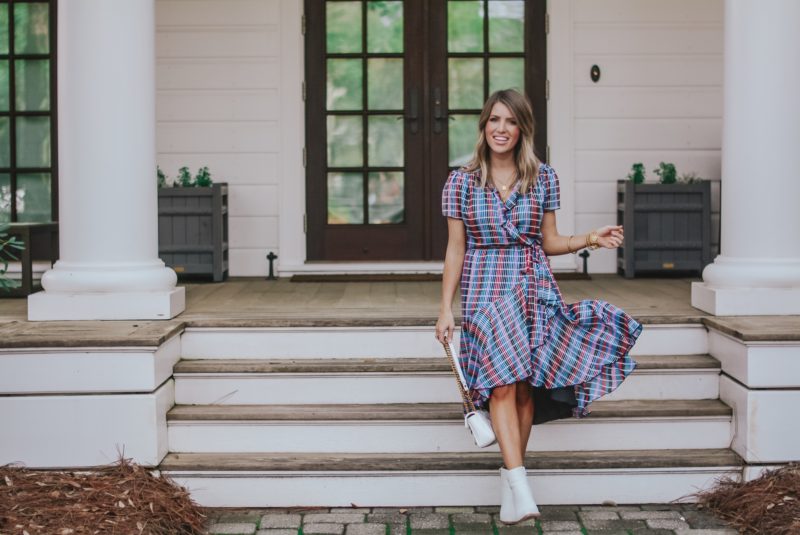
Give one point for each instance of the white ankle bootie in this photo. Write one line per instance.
(507, 513)
(524, 505)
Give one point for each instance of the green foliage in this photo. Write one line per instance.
(203, 178)
(185, 178)
(666, 173)
(162, 178)
(689, 178)
(637, 173)
(8, 245)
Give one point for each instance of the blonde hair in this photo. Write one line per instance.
(525, 158)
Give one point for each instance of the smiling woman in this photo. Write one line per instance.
(527, 356)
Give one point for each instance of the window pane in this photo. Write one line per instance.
(33, 197)
(31, 28)
(385, 197)
(32, 78)
(5, 143)
(384, 26)
(345, 137)
(385, 141)
(343, 26)
(3, 28)
(33, 142)
(5, 198)
(506, 73)
(4, 92)
(385, 81)
(465, 26)
(506, 26)
(465, 83)
(344, 84)
(345, 198)
(463, 135)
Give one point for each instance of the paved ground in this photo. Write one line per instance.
(670, 519)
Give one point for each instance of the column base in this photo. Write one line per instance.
(54, 306)
(745, 301)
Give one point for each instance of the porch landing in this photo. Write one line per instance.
(245, 302)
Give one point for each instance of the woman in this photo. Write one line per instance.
(528, 357)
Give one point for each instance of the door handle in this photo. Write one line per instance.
(439, 116)
(412, 115)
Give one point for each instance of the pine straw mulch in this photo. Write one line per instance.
(767, 505)
(120, 499)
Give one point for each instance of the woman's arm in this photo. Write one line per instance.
(554, 243)
(451, 276)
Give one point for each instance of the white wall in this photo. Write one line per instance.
(659, 98)
(219, 103)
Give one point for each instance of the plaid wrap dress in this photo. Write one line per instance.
(515, 325)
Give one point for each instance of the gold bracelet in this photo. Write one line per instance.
(587, 239)
(569, 247)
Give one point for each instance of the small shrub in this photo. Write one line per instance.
(637, 173)
(666, 173)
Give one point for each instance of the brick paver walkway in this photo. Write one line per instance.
(669, 519)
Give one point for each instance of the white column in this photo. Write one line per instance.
(108, 221)
(758, 271)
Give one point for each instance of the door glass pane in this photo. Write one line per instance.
(384, 27)
(465, 83)
(32, 78)
(385, 81)
(343, 26)
(33, 197)
(344, 84)
(345, 139)
(33, 141)
(506, 26)
(5, 143)
(506, 73)
(465, 26)
(31, 28)
(3, 28)
(385, 197)
(345, 198)
(5, 198)
(463, 134)
(385, 141)
(4, 86)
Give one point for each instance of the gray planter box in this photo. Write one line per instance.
(667, 227)
(193, 230)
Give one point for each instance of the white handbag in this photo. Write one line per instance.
(476, 420)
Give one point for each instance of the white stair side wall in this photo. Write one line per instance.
(436, 436)
(393, 342)
(768, 364)
(393, 489)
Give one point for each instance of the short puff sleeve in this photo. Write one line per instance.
(552, 191)
(453, 194)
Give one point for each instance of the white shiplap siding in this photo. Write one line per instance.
(659, 98)
(219, 104)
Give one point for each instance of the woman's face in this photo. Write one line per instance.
(501, 130)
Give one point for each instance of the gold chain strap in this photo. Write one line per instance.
(466, 400)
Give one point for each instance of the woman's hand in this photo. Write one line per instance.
(609, 236)
(445, 326)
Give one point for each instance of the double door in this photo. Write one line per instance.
(393, 94)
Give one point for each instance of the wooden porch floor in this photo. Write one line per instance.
(246, 302)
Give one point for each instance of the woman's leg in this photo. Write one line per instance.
(503, 411)
(525, 410)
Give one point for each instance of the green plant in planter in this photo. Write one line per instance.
(690, 178)
(637, 173)
(203, 178)
(162, 178)
(666, 173)
(184, 178)
(7, 244)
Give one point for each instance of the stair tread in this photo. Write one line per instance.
(396, 365)
(478, 460)
(431, 411)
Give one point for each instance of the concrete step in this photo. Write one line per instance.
(439, 427)
(397, 380)
(371, 338)
(440, 479)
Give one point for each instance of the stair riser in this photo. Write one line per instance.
(258, 389)
(421, 436)
(393, 489)
(364, 342)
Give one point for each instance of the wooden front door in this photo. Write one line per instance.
(393, 92)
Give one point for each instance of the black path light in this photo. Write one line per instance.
(271, 257)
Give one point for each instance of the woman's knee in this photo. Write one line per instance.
(523, 394)
(504, 392)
